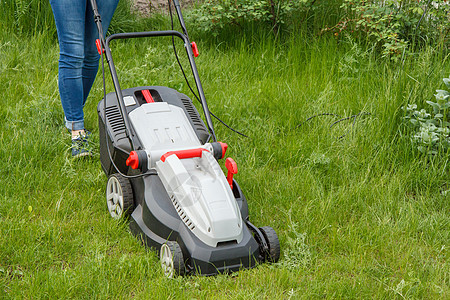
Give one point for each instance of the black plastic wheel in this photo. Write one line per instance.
(119, 196)
(273, 243)
(171, 258)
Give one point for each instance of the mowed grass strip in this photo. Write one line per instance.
(360, 216)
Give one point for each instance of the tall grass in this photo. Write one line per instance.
(30, 17)
(27, 17)
(363, 216)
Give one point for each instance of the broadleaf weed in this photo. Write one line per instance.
(431, 128)
(297, 253)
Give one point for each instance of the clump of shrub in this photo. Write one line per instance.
(431, 128)
(395, 25)
(212, 15)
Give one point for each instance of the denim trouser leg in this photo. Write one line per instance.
(78, 62)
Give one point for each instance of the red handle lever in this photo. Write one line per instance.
(133, 160)
(147, 96)
(99, 46)
(232, 168)
(194, 49)
(181, 154)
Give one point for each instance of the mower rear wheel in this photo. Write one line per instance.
(119, 196)
(273, 243)
(172, 261)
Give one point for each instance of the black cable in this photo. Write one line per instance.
(338, 121)
(187, 81)
(227, 126)
(348, 118)
(353, 124)
(318, 115)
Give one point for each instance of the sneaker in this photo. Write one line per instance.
(80, 146)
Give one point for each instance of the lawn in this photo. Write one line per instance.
(360, 213)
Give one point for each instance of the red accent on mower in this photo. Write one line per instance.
(182, 154)
(195, 49)
(224, 148)
(98, 44)
(219, 149)
(133, 160)
(232, 168)
(147, 96)
(138, 160)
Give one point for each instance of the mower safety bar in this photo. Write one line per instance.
(190, 53)
(131, 35)
(182, 154)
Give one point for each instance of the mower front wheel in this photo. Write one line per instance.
(119, 196)
(171, 257)
(273, 254)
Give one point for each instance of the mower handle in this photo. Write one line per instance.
(183, 154)
(189, 50)
(130, 35)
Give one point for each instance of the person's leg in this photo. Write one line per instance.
(70, 23)
(106, 9)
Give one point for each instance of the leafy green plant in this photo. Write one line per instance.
(297, 253)
(432, 128)
(214, 15)
(395, 25)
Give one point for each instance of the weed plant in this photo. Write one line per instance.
(431, 127)
(363, 216)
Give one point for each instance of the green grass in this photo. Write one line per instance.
(359, 217)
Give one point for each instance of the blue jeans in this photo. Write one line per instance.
(79, 59)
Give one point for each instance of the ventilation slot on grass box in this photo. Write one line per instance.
(115, 119)
(192, 113)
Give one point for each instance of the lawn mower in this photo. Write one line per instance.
(163, 173)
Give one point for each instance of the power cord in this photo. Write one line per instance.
(318, 115)
(354, 117)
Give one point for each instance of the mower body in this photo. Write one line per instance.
(163, 172)
(185, 199)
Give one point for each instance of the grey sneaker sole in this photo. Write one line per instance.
(83, 154)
